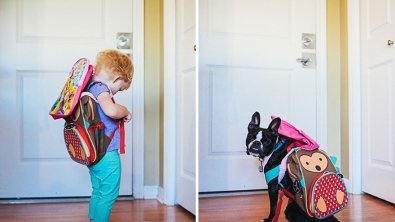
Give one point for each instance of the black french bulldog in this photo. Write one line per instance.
(260, 143)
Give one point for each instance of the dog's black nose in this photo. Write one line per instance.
(256, 143)
(318, 168)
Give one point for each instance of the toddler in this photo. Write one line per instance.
(114, 70)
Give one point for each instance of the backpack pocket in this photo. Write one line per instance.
(78, 144)
(328, 195)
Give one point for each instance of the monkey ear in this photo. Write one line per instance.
(255, 120)
(274, 125)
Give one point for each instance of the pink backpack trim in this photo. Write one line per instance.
(302, 140)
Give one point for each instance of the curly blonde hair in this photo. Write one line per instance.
(117, 63)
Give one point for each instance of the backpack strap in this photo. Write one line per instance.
(279, 204)
(122, 132)
(121, 126)
(120, 123)
(280, 201)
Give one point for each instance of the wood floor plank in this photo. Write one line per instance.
(125, 210)
(256, 207)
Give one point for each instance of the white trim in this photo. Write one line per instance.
(160, 197)
(138, 99)
(151, 192)
(354, 97)
(322, 99)
(197, 113)
(169, 141)
(232, 193)
(347, 183)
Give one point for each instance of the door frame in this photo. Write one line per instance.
(354, 97)
(138, 100)
(170, 106)
(322, 101)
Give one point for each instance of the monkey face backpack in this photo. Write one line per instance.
(319, 188)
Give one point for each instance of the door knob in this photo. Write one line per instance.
(305, 60)
(194, 47)
(390, 42)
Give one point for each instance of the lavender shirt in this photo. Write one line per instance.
(109, 124)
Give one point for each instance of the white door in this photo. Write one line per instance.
(378, 98)
(247, 63)
(186, 104)
(40, 40)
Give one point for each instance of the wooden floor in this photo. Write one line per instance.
(239, 208)
(124, 211)
(255, 207)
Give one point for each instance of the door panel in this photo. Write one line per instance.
(378, 106)
(247, 63)
(40, 42)
(186, 104)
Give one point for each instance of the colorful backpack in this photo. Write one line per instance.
(79, 76)
(302, 140)
(319, 188)
(83, 130)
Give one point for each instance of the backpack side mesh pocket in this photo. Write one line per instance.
(328, 195)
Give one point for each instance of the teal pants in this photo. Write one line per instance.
(105, 178)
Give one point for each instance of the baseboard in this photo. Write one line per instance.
(231, 193)
(160, 197)
(150, 192)
(53, 200)
(347, 182)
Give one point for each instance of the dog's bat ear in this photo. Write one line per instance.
(255, 120)
(274, 125)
